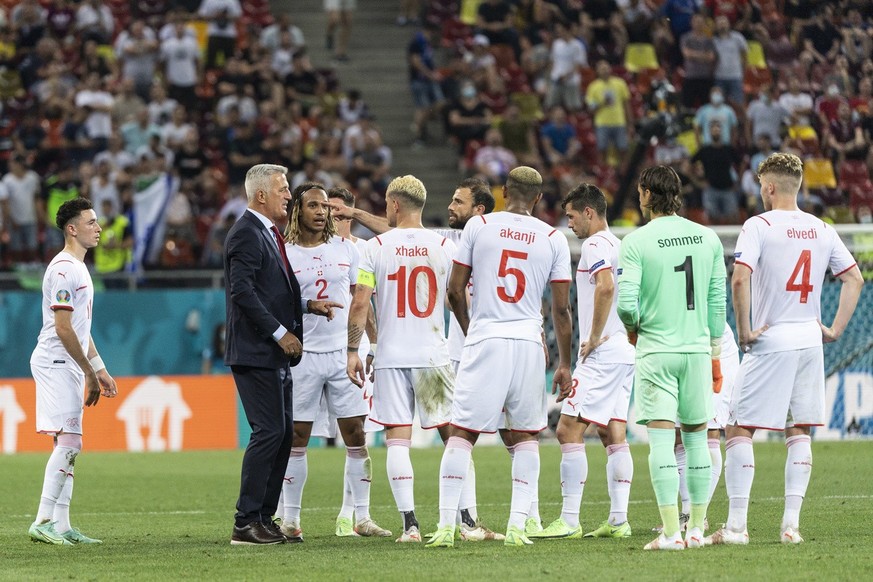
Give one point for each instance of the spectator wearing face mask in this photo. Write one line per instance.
(469, 118)
(715, 111)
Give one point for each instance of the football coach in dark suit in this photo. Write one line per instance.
(264, 337)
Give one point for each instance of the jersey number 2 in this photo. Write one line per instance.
(801, 271)
(688, 268)
(321, 284)
(406, 295)
(506, 271)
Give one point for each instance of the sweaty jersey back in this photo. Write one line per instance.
(513, 257)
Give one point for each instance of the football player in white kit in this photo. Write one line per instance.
(782, 257)
(603, 377)
(472, 197)
(408, 267)
(65, 358)
(514, 256)
(326, 266)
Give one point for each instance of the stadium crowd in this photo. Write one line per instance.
(710, 87)
(103, 98)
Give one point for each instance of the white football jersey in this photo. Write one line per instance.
(325, 273)
(789, 253)
(66, 285)
(410, 267)
(456, 334)
(599, 253)
(513, 257)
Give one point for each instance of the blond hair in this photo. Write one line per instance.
(785, 171)
(258, 178)
(524, 182)
(408, 189)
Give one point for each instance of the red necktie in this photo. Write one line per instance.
(281, 243)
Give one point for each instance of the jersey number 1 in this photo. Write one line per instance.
(406, 295)
(688, 268)
(801, 271)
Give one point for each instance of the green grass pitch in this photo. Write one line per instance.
(169, 516)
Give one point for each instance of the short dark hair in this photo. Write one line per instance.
(481, 192)
(583, 195)
(70, 210)
(666, 188)
(343, 193)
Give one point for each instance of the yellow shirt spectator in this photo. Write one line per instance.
(607, 98)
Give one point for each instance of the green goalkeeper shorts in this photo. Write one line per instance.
(668, 386)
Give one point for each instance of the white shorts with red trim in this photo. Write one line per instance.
(501, 379)
(601, 392)
(721, 402)
(322, 376)
(60, 399)
(780, 390)
(399, 392)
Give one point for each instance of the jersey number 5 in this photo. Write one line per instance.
(507, 271)
(801, 271)
(406, 291)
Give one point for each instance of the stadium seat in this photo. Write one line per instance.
(819, 173)
(640, 57)
(504, 55)
(515, 79)
(469, 11)
(755, 78)
(588, 74)
(528, 104)
(855, 182)
(455, 33)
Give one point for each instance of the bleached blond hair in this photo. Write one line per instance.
(524, 182)
(409, 190)
(785, 171)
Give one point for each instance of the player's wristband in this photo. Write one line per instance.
(372, 353)
(715, 345)
(97, 363)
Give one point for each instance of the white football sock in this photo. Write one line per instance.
(715, 457)
(359, 476)
(347, 510)
(454, 470)
(619, 475)
(292, 486)
(525, 474)
(400, 474)
(468, 492)
(574, 473)
(739, 472)
(61, 515)
(683, 484)
(798, 468)
(57, 470)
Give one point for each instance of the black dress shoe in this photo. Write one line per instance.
(272, 526)
(255, 533)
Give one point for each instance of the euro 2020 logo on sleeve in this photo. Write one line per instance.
(63, 296)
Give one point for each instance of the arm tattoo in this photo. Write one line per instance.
(355, 333)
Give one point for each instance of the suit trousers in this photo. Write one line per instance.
(266, 398)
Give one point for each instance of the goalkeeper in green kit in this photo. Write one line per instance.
(671, 299)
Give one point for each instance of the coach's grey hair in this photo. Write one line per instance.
(258, 178)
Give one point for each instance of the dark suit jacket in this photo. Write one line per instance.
(260, 296)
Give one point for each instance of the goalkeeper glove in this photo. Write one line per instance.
(632, 338)
(717, 378)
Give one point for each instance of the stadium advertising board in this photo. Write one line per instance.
(150, 414)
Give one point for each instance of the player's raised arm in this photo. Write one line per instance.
(377, 224)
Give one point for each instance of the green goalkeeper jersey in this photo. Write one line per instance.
(671, 286)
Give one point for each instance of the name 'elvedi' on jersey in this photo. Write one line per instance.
(525, 237)
(679, 241)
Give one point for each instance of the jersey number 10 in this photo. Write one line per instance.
(406, 291)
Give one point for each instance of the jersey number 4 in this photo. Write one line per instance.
(406, 291)
(801, 272)
(506, 271)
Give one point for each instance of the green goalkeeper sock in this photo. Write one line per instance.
(665, 476)
(697, 474)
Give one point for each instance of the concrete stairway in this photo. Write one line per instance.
(378, 69)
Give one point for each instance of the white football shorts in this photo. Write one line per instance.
(501, 378)
(721, 402)
(780, 390)
(324, 374)
(399, 392)
(601, 392)
(60, 399)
